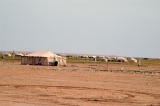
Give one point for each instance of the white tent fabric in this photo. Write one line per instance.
(43, 58)
(122, 59)
(42, 54)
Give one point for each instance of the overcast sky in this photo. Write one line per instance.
(118, 27)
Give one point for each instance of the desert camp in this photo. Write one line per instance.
(46, 58)
(79, 52)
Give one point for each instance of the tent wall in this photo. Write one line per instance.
(34, 60)
(60, 60)
(43, 60)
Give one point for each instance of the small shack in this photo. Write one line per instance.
(45, 58)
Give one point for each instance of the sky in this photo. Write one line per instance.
(114, 27)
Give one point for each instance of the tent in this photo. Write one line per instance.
(121, 59)
(45, 58)
(133, 60)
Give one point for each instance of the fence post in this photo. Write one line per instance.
(139, 65)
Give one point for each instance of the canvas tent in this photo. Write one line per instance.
(19, 55)
(133, 60)
(43, 58)
(121, 59)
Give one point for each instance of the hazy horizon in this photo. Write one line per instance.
(115, 27)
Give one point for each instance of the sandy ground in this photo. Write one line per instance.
(77, 85)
